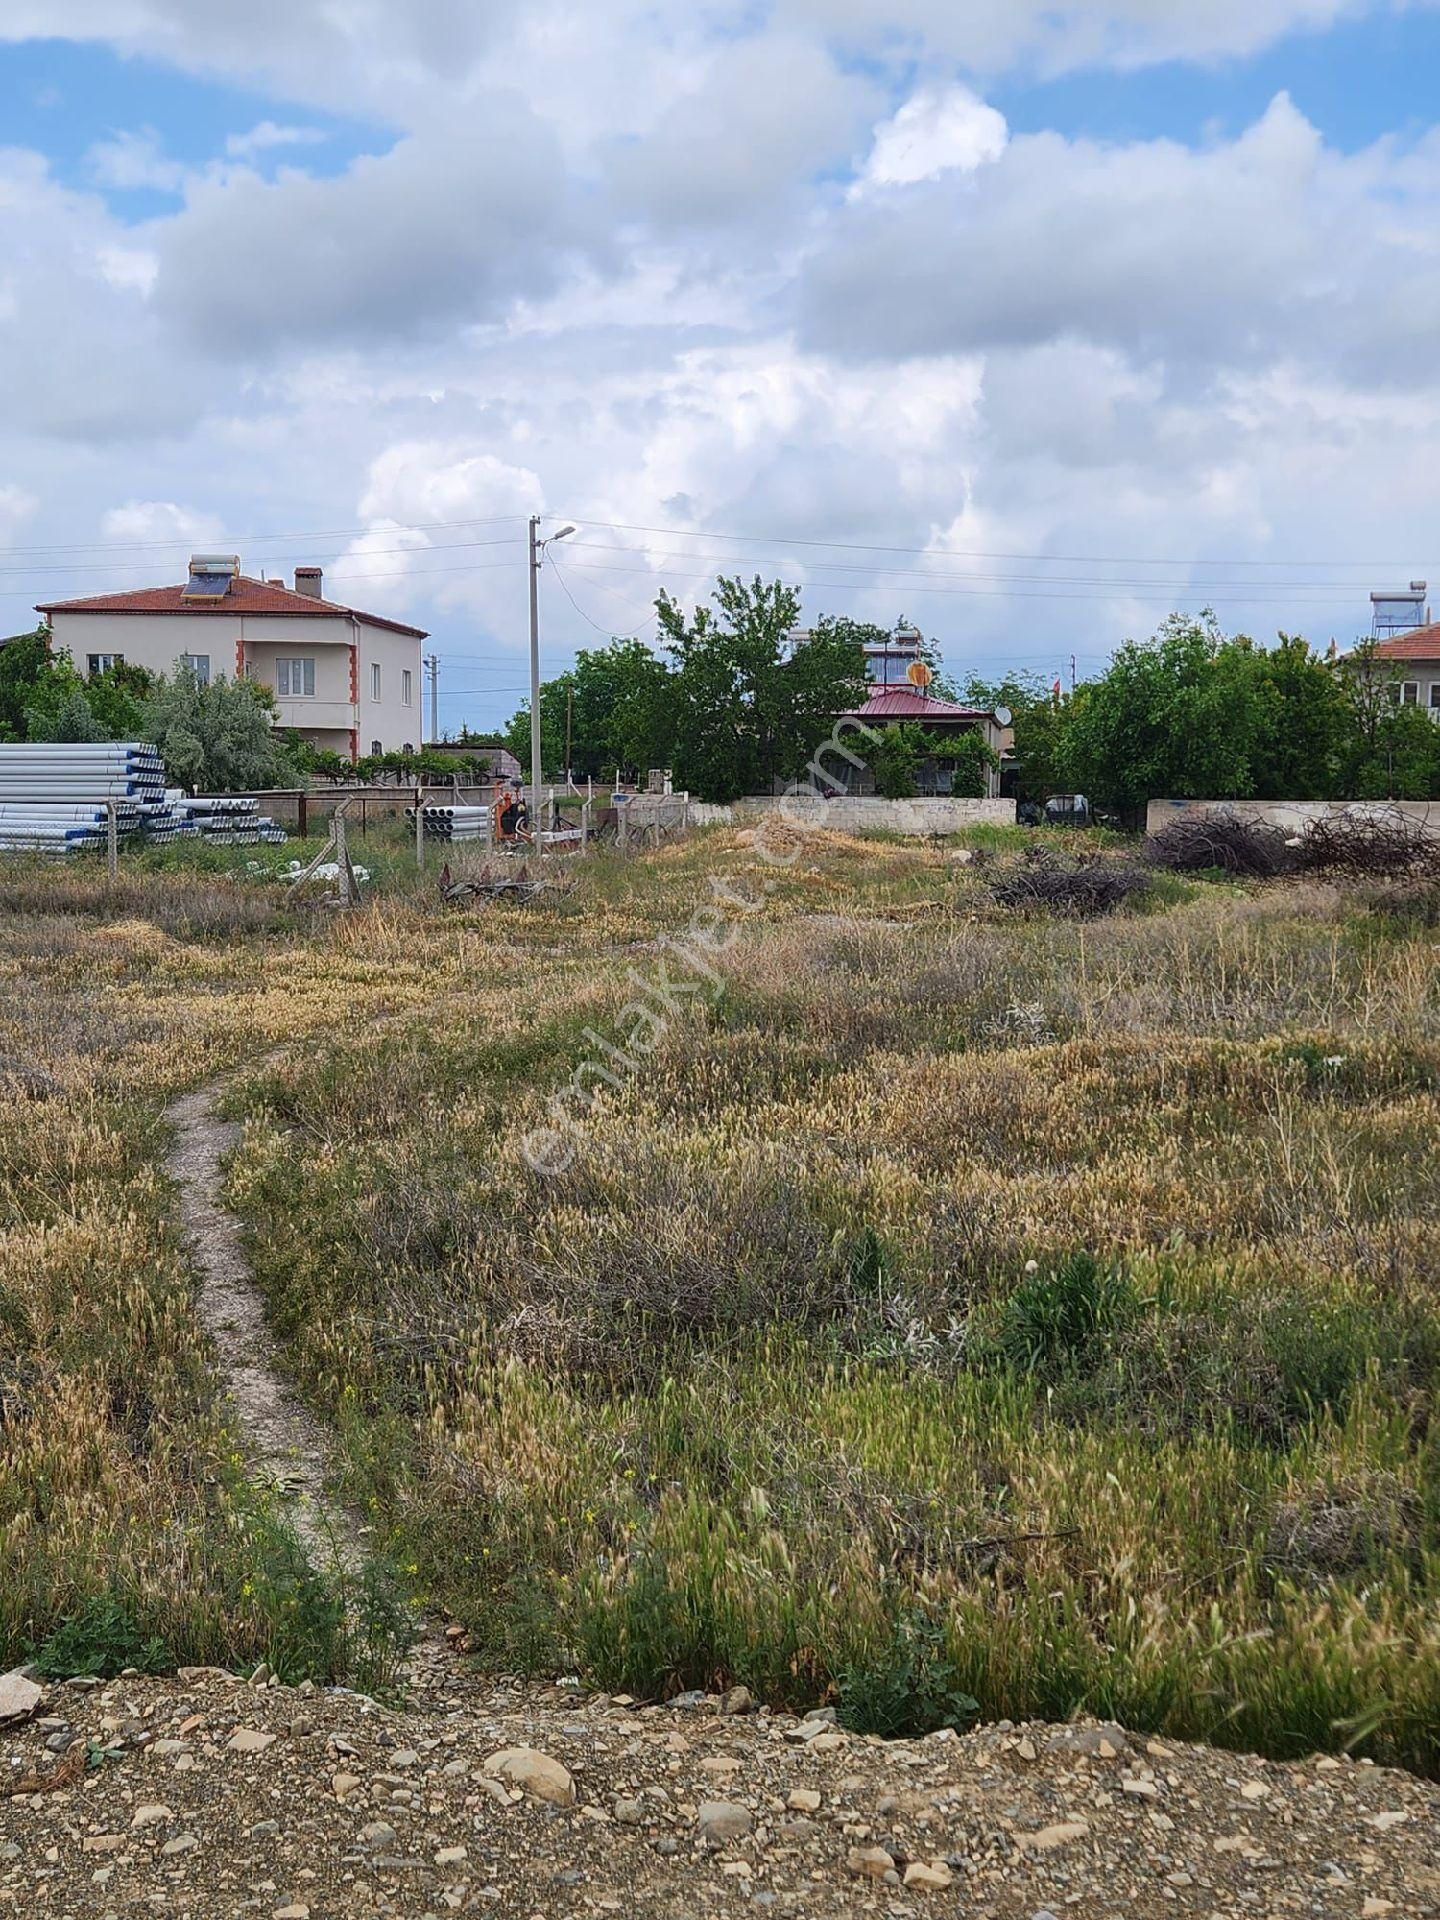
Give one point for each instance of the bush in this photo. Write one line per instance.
(101, 1637)
(910, 1688)
(1060, 1321)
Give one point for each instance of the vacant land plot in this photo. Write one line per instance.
(796, 1272)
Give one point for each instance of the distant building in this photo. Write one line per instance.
(893, 706)
(1414, 656)
(343, 679)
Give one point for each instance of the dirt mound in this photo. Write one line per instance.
(207, 1795)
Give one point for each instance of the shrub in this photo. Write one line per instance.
(101, 1637)
(909, 1688)
(1061, 1320)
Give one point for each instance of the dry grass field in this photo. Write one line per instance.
(922, 1306)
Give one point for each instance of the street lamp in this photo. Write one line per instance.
(537, 555)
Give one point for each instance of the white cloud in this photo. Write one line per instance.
(451, 224)
(131, 160)
(934, 132)
(269, 135)
(155, 523)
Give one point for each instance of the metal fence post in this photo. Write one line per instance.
(420, 827)
(112, 842)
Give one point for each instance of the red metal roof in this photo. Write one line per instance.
(1422, 644)
(905, 703)
(245, 596)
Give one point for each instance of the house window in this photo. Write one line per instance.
(295, 679)
(406, 683)
(1435, 696)
(374, 679)
(1410, 693)
(377, 747)
(103, 662)
(199, 665)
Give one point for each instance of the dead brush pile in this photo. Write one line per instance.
(1370, 845)
(1083, 888)
(1202, 842)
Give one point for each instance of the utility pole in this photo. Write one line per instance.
(569, 708)
(1072, 673)
(431, 664)
(537, 556)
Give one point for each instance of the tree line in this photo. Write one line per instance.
(1193, 713)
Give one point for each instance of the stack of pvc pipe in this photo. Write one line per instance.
(54, 798)
(54, 795)
(229, 820)
(453, 823)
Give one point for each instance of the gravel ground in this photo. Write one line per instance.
(217, 1796)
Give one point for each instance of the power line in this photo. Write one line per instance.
(172, 542)
(931, 573)
(1199, 594)
(976, 553)
(609, 631)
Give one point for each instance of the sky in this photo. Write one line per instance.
(1026, 321)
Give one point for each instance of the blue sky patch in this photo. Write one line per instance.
(65, 98)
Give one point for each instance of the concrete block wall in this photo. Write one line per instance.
(848, 813)
(1295, 816)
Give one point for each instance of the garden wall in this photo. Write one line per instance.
(1294, 816)
(848, 813)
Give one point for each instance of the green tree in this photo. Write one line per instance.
(750, 707)
(1392, 749)
(68, 717)
(1171, 716)
(218, 738)
(117, 699)
(615, 704)
(1037, 720)
(1301, 722)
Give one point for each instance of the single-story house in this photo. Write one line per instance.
(343, 679)
(890, 706)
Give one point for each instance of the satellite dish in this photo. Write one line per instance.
(1003, 716)
(918, 674)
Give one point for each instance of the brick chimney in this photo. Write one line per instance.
(308, 580)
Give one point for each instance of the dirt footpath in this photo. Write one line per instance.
(210, 1796)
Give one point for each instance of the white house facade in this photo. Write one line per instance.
(343, 679)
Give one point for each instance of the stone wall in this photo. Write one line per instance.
(1294, 816)
(848, 813)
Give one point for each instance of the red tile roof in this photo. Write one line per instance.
(904, 703)
(1421, 644)
(245, 596)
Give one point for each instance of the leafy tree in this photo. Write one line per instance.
(22, 661)
(619, 710)
(1037, 720)
(1300, 718)
(1172, 716)
(117, 699)
(1392, 750)
(217, 738)
(749, 707)
(69, 717)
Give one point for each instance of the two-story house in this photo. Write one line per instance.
(342, 679)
